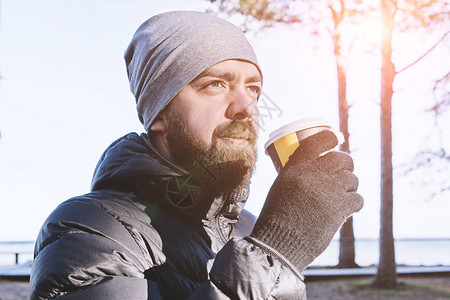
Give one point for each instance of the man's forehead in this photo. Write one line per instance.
(231, 67)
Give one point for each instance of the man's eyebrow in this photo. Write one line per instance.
(228, 76)
(216, 73)
(254, 78)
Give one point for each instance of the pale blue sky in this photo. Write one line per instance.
(64, 97)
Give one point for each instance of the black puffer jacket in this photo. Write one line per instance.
(130, 239)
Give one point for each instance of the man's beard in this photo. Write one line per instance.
(221, 167)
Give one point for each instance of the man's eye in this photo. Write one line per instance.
(216, 84)
(253, 89)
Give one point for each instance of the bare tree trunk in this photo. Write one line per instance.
(347, 246)
(346, 238)
(386, 276)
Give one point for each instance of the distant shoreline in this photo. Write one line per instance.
(334, 240)
(408, 251)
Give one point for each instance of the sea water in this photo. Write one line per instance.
(426, 252)
(417, 252)
(9, 249)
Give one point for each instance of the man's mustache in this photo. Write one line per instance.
(237, 129)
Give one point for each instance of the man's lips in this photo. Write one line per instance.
(244, 136)
(237, 137)
(239, 140)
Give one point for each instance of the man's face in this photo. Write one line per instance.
(212, 124)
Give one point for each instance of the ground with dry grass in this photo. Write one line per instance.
(411, 288)
(13, 290)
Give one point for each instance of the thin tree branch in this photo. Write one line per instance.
(425, 54)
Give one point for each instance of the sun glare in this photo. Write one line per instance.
(359, 39)
(371, 32)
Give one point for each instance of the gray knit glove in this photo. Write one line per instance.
(309, 200)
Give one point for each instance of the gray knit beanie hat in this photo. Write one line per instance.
(171, 49)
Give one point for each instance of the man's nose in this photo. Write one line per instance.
(241, 105)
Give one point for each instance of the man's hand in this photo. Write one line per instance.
(309, 200)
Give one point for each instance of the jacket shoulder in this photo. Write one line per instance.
(109, 214)
(89, 238)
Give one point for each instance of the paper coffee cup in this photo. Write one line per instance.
(283, 142)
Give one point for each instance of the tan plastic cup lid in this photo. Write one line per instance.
(294, 127)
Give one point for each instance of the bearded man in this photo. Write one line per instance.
(165, 217)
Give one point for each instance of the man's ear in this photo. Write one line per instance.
(158, 134)
(159, 124)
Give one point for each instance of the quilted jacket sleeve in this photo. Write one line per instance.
(241, 270)
(83, 252)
